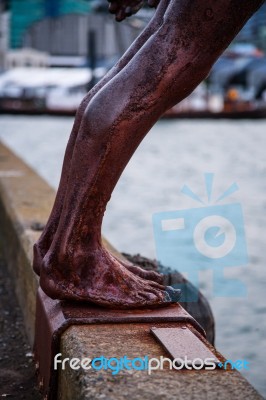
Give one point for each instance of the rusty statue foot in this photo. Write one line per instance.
(107, 284)
(134, 269)
(142, 273)
(179, 54)
(45, 240)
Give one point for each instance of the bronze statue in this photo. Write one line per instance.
(166, 62)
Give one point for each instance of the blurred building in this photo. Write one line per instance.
(26, 58)
(4, 33)
(255, 29)
(60, 28)
(26, 13)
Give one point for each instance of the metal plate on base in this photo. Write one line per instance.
(182, 343)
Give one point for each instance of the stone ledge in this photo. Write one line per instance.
(25, 199)
(25, 203)
(135, 340)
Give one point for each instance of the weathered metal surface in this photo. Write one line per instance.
(169, 59)
(180, 342)
(122, 285)
(54, 317)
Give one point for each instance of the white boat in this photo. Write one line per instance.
(51, 89)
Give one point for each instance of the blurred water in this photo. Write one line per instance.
(173, 154)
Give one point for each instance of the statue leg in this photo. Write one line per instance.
(165, 70)
(46, 238)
